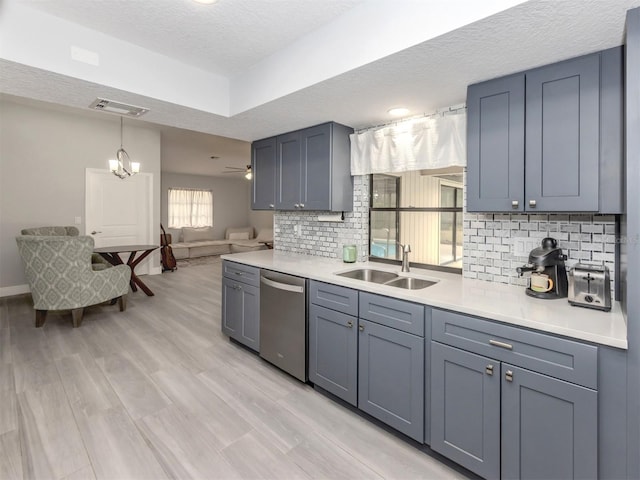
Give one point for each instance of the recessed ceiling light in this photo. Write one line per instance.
(205, 2)
(398, 111)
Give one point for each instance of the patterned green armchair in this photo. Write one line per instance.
(58, 269)
(97, 261)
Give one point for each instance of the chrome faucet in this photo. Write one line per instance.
(406, 250)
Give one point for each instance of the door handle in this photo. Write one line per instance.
(302, 205)
(496, 343)
(350, 324)
(532, 203)
(508, 376)
(515, 204)
(488, 370)
(282, 286)
(94, 232)
(361, 328)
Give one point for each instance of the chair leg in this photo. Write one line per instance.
(41, 317)
(122, 302)
(76, 314)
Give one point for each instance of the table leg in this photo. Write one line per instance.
(135, 280)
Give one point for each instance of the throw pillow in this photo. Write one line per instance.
(191, 234)
(239, 236)
(265, 235)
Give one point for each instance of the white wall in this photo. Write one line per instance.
(231, 206)
(44, 152)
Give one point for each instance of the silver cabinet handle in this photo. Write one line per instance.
(515, 203)
(94, 232)
(532, 203)
(361, 328)
(488, 370)
(496, 343)
(297, 205)
(302, 205)
(271, 205)
(239, 273)
(350, 324)
(508, 376)
(281, 286)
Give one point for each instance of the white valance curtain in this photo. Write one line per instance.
(434, 142)
(190, 208)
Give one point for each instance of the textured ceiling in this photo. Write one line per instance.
(225, 38)
(426, 77)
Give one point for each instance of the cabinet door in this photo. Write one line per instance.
(317, 165)
(240, 312)
(289, 172)
(333, 352)
(549, 427)
(391, 377)
(263, 166)
(231, 308)
(495, 145)
(562, 141)
(465, 409)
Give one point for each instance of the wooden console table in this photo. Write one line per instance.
(110, 254)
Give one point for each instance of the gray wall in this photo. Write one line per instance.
(231, 204)
(44, 152)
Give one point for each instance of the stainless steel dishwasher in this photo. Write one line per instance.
(283, 322)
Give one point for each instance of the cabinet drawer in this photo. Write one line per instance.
(557, 357)
(399, 314)
(337, 298)
(241, 273)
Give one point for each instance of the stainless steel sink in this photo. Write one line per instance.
(410, 283)
(369, 275)
(387, 278)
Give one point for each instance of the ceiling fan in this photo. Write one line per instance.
(247, 171)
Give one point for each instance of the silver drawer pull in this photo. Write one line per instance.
(532, 203)
(508, 376)
(361, 328)
(350, 324)
(496, 343)
(488, 370)
(271, 205)
(302, 205)
(515, 204)
(239, 273)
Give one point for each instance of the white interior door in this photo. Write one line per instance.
(119, 211)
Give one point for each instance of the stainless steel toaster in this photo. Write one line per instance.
(590, 286)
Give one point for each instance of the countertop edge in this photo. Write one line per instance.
(265, 259)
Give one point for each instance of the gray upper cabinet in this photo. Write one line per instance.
(312, 170)
(289, 171)
(263, 166)
(495, 145)
(568, 116)
(562, 139)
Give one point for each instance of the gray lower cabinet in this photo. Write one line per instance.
(333, 352)
(465, 409)
(493, 414)
(241, 312)
(391, 377)
(549, 427)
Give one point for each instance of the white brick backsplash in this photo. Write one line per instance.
(489, 240)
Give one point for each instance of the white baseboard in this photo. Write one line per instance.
(14, 290)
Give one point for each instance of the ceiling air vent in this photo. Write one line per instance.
(112, 106)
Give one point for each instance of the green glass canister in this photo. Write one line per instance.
(349, 253)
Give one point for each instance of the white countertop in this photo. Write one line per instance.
(494, 301)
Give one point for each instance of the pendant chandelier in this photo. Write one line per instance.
(122, 166)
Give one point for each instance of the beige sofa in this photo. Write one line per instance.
(200, 242)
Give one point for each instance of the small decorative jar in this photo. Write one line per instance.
(349, 253)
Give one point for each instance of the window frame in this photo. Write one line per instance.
(398, 209)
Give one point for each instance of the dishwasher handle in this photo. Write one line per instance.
(282, 286)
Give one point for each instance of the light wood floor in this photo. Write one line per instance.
(158, 392)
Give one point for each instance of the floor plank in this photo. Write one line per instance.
(10, 458)
(50, 442)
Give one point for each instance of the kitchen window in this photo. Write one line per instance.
(422, 208)
(190, 208)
